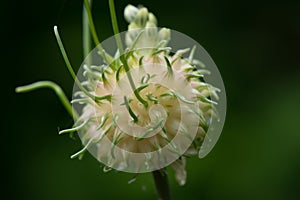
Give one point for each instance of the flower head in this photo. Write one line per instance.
(147, 107)
(158, 108)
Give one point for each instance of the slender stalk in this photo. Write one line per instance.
(59, 92)
(115, 25)
(86, 35)
(123, 57)
(67, 61)
(91, 22)
(161, 184)
(106, 56)
(70, 68)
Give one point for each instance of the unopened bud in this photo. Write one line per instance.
(164, 34)
(151, 30)
(130, 13)
(152, 18)
(133, 26)
(142, 17)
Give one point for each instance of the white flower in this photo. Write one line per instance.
(157, 98)
(147, 107)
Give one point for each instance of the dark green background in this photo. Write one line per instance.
(256, 47)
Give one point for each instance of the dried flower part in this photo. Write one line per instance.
(180, 172)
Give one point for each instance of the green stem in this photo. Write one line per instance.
(134, 117)
(115, 25)
(59, 92)
(86, 32)
(162, 185)
(106, 56)
(70, 68)
(91, 22)
(66, 59)
(123, 57)
(135, 91)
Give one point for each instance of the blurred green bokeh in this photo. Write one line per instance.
(256, 47)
